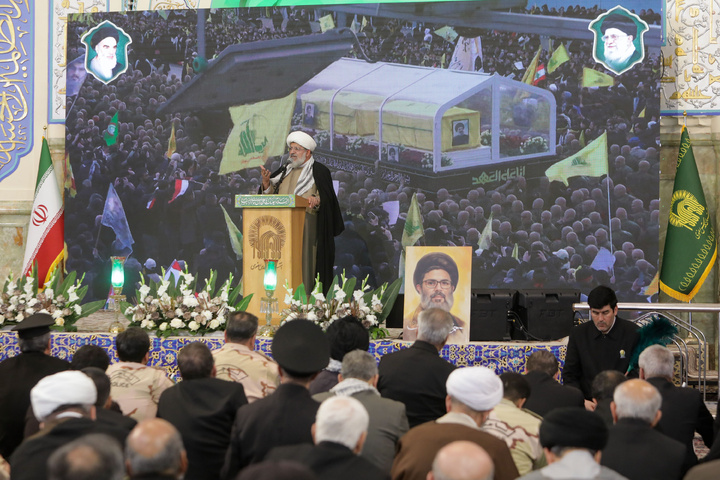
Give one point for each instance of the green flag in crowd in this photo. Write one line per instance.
(236, 237)
(111, 133)
(690, 244)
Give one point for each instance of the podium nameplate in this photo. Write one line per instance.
(265, 201)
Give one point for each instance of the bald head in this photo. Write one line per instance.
(636, 399)
(462, 460)
(155, 446)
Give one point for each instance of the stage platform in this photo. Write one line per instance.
(500, 356)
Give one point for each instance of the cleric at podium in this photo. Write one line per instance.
(303, 176)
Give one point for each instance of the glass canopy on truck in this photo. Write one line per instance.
(427, 118)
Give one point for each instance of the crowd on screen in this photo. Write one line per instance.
(558, 230)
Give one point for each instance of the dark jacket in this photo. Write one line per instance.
(683, 413)
(639, 452)
(589, 352)
(283, 418)
(29, 461)
(416, 376)
(546, 394)
(203, 410)
(330, 461)
(18, 375)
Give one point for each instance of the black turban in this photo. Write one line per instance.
(573, 427)
(435, 261)
(103, 33)
(621, 22)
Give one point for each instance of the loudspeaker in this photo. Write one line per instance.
(544, 314)
(395, 317)
(489, 314)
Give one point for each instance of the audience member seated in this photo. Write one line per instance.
(461, 460)
(136, 387)
(104, 414)
(95, 456)
(154, 449)
(19, 374)
(345, 335)
(472, 392)
(603, 389)
(238, 361)
(517, 427)
(416, 376)
(573, 439)
(339, 433)
(606, 343)
(281, 470)
(388, 422)
(301, 350)
(635, 449)
(203, 409)
(545, 392)
(90, 356)
(64, 403)
(683, 409)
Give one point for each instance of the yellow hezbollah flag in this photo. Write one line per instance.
(485, 240)
(529, 75)
(413, 224)
(172, 143)
(259, 131)
(593, 78)
(559, 56)
(326, 23)
(591, 161)
(642, 114)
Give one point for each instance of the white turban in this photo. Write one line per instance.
(302, 139)
(477, 387)
(65, 388)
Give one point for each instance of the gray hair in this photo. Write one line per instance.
(341, 420)
(657, 361)
(92, 457)
(359, 364)
(434, 326)
(169, 458)
(34, 344)
(637, 399)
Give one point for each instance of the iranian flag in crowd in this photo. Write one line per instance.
(47, 222)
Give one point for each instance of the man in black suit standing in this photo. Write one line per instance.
(203, 409)
(339, 432)
(19, 374)
(301, 349)
(606, 343)
(416, 376)
(545, 392)
(683, 409)
(635, 449)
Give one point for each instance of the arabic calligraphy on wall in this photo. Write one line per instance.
(16, 85)
(691, 64)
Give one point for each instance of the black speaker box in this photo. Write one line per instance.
(489, 313)
(544, 314)
(395, 317)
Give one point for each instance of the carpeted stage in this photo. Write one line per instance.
(500, 356)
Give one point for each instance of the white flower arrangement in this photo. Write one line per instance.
(369, 306)
(167, 308)
(536, 144)
(60, 298)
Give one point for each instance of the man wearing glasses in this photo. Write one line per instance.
(303, 176)
(435, 279)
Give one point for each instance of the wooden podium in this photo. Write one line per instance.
(272, 230)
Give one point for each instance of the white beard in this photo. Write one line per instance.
(103, 66)
(618, 56)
